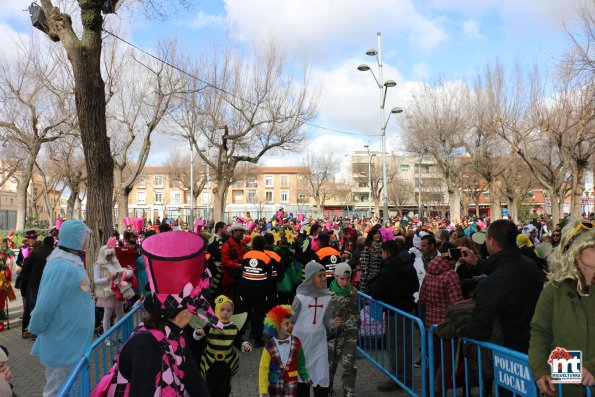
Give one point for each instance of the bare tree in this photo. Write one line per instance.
(400, 193)
(475, 186)
(318, 177)
(437, 121)
(177, 167)
(578, 61)
(31, 114)
(144, 95)
(375, 178)
(65, 158)
(52, 187)
(489, 100)
(515, 183)
(249, 107)
(84, 54)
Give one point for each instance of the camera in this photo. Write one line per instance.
(454, 253)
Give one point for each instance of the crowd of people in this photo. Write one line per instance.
(289, 285)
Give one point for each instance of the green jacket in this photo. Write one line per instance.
(562, 319)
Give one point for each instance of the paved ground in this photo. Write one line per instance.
(28, 375)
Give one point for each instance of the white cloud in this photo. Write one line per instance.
(202, 20)
(318, 28)
(516, 14)
(421, 71)
(471, 29)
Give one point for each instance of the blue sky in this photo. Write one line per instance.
(421, 41)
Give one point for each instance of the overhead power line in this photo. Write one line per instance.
(223, 90)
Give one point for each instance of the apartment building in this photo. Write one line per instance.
(259, 190)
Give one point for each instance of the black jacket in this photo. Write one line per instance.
(395, 284)
(510, 292)
(34, 265)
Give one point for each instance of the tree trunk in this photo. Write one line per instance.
(220, 201)
(376, 208)
(477, 210)
(578, 187)
(555, 204)
(79, 208)
(495, 205)
(122, 194)
(22, 200)
(90, 105)
(23, 181)
(70, 203)
(513, 210)
(454, 199)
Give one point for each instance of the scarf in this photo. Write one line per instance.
(375, 247)
(340, 291)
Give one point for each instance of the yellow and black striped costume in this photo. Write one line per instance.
(219, 349)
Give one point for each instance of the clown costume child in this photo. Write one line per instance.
(282, 358)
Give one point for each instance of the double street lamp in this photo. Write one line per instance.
(383, 86)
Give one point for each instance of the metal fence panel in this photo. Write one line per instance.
(98, 357)
(389, 338)
(485, 369)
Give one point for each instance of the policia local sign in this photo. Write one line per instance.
(514, 375)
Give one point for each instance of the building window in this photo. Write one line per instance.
(237, 196)
(252, 181)
(239, 183)
(141, 197)
(205, 197)
(142, 182)
(530, 195)
(486, 194)
(158, 197)
(268, 197)
(285, 196)
(158, 180)
(175, 197)
(268, 181)
(284, 180)
(251, 197)
(404, 167)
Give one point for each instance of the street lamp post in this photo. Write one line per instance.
(383, 86)
(369, 182)
(419, 208)
(191, 222)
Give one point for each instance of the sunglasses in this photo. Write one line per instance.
(556, 234)
(578, 230)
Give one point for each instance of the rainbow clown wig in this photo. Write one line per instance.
(273, 319)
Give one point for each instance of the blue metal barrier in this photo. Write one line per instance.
(510, 372)
(389, 338)
(98, 357)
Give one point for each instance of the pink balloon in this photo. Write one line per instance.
(329, 225)
(139, 223)
(301, 217)
(59, 223)
(127, 221)
(251, 226)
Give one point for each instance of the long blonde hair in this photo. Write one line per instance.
(563, 263)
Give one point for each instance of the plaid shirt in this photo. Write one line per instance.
(441, 288)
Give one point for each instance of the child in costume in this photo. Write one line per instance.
(312, 317)
(6, 291)
(220, 361)
(106, 269)
(156, 360)
(282, 358)
(343, 347)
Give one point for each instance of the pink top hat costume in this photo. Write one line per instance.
(175, 268)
